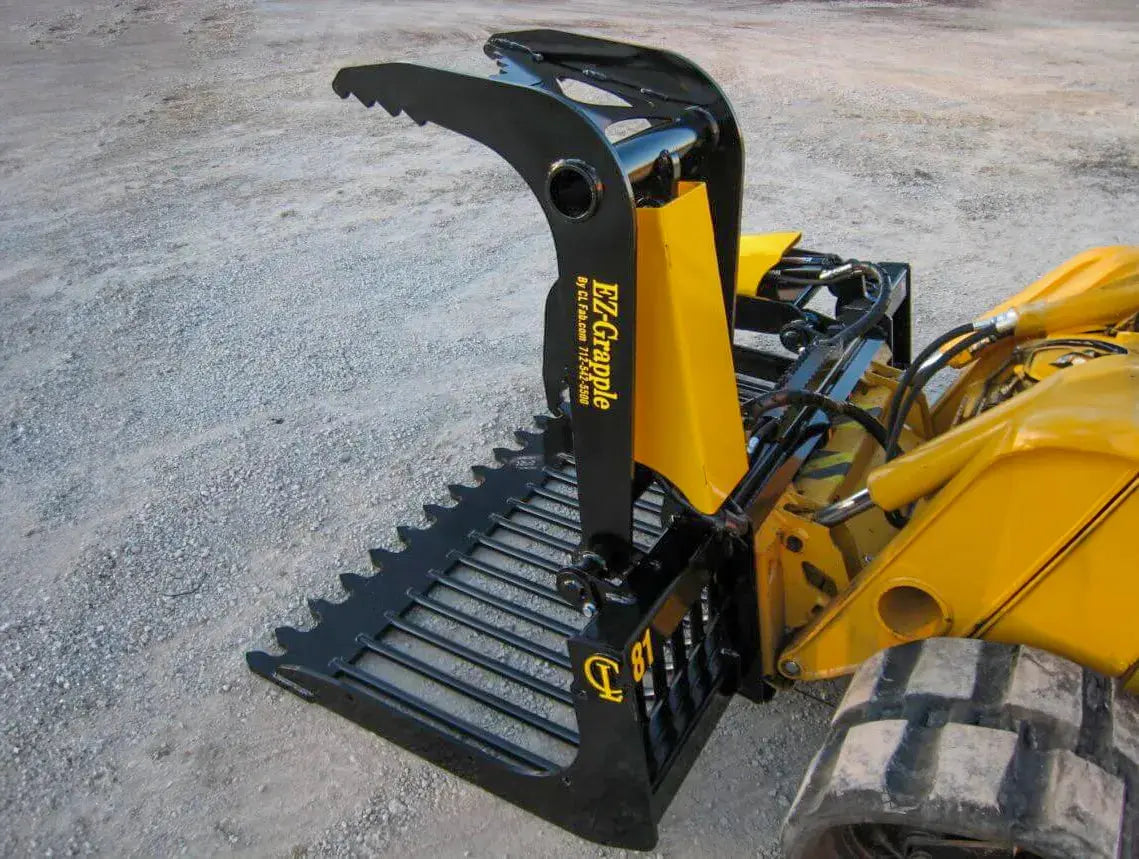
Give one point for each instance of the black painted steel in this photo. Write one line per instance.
(560, 745)
(588, 188)
(497, 689)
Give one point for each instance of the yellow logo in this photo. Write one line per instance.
(601, 671)
(598, 328)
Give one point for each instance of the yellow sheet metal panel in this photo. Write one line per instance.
(1066, 410)
(758, 253)
(687, 423)
(1084, 605)
(962, 558)
(800, 564)
(1083, 273)
(1110, 304)
(770, 594)
(1041, 468)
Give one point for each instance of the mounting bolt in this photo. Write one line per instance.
(793, 543)
(589, 609)
(790, 667)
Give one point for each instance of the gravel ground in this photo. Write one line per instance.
(246, 329)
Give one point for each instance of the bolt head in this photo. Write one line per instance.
(790, 667)
(589, 609)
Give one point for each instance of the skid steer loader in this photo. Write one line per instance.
(697, 517)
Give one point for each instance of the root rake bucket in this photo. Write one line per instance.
(461, 650)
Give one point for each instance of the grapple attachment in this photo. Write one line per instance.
(472, 647)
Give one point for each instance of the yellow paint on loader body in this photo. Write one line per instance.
(758, 253)
(1025, 513)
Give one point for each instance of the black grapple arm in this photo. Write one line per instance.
(588, 188)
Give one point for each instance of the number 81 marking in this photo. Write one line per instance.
(641, 656)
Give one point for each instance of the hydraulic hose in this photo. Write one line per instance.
(911, 371)
(878, 306)
(873, 314)
(921, 377)
(899, 518)
(835, 409)
(1103, 306)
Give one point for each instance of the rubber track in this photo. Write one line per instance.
(983, 740)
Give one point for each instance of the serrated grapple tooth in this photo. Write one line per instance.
(408, 534)
(481, 471)
(434, 512)
(287, 636)
(319, 608)
(541, 421)
(352, 582)
(524, 437)
(504, 454)
(381, 557)
(458, 490)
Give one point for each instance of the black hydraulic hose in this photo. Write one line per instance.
(907, 378)
(786, 397)
(897, 418)
(878, 306)
(899, 518)
(874, 312)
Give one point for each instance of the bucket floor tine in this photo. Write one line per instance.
(461, 649)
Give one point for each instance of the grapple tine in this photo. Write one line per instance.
(380, 558)
(458, 491)
(434, 511)
(493, 605)
(319, 608)
(288, 637)
(407, 534)
(352, 582)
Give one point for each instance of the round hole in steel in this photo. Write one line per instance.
(574, 189)
(910, 612)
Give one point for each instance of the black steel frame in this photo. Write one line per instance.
(689, 588)
(692, 590)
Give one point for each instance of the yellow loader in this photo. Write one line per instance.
(740, 485)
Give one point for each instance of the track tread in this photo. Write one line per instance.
(994, 741)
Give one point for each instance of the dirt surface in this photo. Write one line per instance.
(246, 329)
